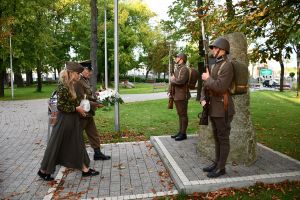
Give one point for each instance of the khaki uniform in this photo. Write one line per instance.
(181, 95)
(87, 123)
(219, 82)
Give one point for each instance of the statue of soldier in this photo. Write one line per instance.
(82, 88)
(181, 94)
(217, 81)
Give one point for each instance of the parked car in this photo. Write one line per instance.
(270, 83)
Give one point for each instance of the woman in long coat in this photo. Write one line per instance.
(66, 146)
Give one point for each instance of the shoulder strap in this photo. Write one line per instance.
(190, 71)
(221, 67)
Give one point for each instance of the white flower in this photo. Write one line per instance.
(109, 97)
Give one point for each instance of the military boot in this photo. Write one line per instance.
(175, 136)
(99, 155)
(181, 137)
(210, 167)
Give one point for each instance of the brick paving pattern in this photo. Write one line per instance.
(135, 168)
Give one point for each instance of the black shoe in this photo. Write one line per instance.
(175, 136)
(91, 172)
(216, 173)
(100, 156)
(44, 176)
(181, 137)
(210, 167)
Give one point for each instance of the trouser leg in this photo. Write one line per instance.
(216, 139)
(222, 132)
(181, 107)
(92, 133)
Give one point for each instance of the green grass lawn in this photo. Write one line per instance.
(147, 118)
(276, 118)
(29, 92)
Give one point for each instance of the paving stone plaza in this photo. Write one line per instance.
(137, 170)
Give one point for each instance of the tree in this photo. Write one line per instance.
(94, 42)
(272, 24)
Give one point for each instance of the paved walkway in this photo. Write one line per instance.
(135, 170)
(145, 97)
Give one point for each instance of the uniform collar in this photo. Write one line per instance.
(221, 58)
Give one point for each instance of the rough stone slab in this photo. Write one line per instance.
(270, 166)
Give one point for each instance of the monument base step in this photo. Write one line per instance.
(185, 166)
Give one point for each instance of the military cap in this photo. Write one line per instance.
(87, 64)
(74, 66)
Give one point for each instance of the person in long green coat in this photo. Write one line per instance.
(66, 146)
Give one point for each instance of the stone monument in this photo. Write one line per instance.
(242, 135)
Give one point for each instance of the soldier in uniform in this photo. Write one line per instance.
(87, 122)
(181, 94)
(217, 82)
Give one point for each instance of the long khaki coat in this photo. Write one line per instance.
(219, 82)
(181, 92)
(83, 87)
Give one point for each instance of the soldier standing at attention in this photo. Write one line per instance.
(82, 88)
(217, 81)
(181, 94)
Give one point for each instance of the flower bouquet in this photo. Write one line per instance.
(108, 98)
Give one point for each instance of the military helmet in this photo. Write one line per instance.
(182, 56)
(221, 43)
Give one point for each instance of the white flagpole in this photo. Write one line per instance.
(105, 48)
(116, 63)
(11, 69)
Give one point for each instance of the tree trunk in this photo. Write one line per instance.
(2, 78)
(18, 79)
(230, 10)
(94, 43)
(298, 70)
(281, 75)
(29, 79)
(39, 78)
(147, 73)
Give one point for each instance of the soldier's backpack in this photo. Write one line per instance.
(240, 80)
(193, 78)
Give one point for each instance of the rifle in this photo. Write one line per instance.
(204, 114)
(172, 92)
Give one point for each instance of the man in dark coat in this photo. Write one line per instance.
(181, 94)
(82, 88)
(217, 82)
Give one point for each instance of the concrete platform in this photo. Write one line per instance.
(185, 167)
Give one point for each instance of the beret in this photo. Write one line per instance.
(74, 66)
